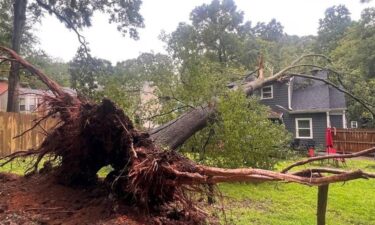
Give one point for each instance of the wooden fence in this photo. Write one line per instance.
(353, 140)
(13, 124)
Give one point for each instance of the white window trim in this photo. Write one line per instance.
(261, 92)
(311, 128)
(351, 124)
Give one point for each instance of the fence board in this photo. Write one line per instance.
(12, 124)
(353, 140)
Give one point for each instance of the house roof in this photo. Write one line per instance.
(311, 95)
(24, 91)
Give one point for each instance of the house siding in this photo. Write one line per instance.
(280, 96)
(336, 121)
(306, 99)
(319, 125)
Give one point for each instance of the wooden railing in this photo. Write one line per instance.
(353, 140)
(13, 124)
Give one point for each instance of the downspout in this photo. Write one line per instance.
(328, 120)
(290, 94)
(344, 123)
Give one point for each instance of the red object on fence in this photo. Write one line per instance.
(329, 139)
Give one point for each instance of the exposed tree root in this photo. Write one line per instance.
(91, 136)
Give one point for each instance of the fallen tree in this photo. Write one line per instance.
(91, 136)
(174, 133)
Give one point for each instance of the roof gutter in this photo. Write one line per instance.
(317, 110)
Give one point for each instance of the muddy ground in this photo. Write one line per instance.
(40, 200)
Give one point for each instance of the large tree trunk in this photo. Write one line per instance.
(174, 133)
(19, 19)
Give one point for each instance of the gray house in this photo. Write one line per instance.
(306, 107)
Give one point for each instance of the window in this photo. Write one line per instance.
(22, 104)
(304, 128)
(33, 104)
(266, 92)
(353, 124)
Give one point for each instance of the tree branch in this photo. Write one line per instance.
(69, 24)
(318, 158)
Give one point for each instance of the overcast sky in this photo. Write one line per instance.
(299, 17)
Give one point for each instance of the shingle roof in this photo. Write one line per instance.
(314, 95)
(25, 91)
(40, 92)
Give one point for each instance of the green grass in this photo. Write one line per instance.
(292, 204)
(17, 166)
(286, 204)
(20, 166)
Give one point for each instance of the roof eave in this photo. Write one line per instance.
(316, 110)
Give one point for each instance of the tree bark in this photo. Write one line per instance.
(174, 133)
(322, 204)
(19, 20)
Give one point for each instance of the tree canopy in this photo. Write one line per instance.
(75, 14)
(332, 27)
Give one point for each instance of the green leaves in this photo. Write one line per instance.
(332, 27)
(86, 71)
(78, 13)
(217, 33)
(355, 56)
(242, 136)
(248, 137)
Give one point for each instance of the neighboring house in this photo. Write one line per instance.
(28, 99)
(306, 107)
(3, 95)
(149, 100)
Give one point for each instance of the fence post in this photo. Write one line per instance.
(322, 204)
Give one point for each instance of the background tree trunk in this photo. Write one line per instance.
(19, 20)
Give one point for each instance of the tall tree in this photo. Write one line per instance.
(273, 31)
(355, 55)
(215, 22)
(5, 22)
(86, 72)
(217, 32)
(19, 18)
(332, 27)
(75, 14)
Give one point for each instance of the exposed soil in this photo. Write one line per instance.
(40, 200)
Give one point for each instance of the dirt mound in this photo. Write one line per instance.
(40, 200)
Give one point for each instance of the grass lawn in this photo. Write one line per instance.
(281, 204)
(291, 204)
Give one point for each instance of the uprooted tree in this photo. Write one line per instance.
(90, 136)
